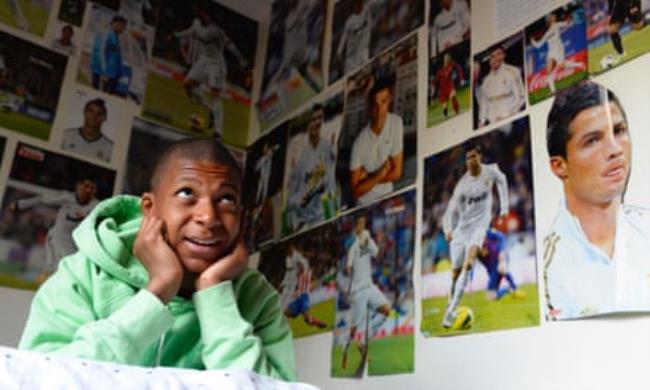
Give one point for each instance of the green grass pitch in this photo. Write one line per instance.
(35, 15)
(505, 313)
(388, 355)
(166, 102)
(324, 311)
(26, 125)
(543, 93)
(435, 114)
(635, 43)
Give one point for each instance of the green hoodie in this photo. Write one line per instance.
(96, 306)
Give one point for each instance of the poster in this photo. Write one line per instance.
(201, 76)
(91, 129)
(449, 60)
(303, 270)
(616, 31)
(310, 192)
(377, 146)
(375, 308)
(478, 235)
(47, 196)
(293, 71)
(30, 84)
(25, 15)
(556, 51)
(498, 81)
(265, 164)
(363, 28)
(115, 54)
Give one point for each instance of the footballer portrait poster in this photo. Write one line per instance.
(46, 197)
(478, 246)
(361, 29)
(293, 70)
(303, 270)
(375, 303)
(28, 16)
(449, 60)
(556, 51)
(377, 147)
(311, 194)
(201, 75)
(498, 81)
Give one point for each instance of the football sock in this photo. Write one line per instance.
(511, 281)
(617, 42)
(463, 279)
(455, 105)
(376, 322)
(550, 81)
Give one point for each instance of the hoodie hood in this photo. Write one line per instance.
(106, 237)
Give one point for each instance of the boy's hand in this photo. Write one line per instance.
(226, 268)
(159, 259)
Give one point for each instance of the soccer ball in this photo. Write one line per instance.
(196, 123)
(463, 318)
(607, 61)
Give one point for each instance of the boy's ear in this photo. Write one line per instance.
(559, 167)
(147, 203)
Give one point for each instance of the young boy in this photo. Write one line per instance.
(162, 280)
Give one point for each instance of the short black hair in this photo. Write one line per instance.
(195, 149)
(568, 104)
(471, 146)
(67, 27)
(118, 18)
(101, 103)
(379, 84)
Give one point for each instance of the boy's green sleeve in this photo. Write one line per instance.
(62, 320)
(262, 342)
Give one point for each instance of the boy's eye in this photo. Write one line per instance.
(229, 199)
(184, 192)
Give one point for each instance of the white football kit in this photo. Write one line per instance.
(59, 46)
(553, 39)
(364, 295)
(59, 236)
(101, 148)
(290, 281)
(370, 151)
(502, 94)
(355, 39)
(469, 211)
(314, 175)
(581, 280)
(449, 27)
(263, 166)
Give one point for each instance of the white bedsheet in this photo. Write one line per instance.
(26, 370)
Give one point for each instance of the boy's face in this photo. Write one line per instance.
(199, 203)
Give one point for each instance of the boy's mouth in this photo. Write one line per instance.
(204, 241)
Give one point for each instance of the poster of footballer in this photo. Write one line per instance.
(200, 78)
(115, 54)
(363, 28)
(46, 197)
(556, 51)
(28, 16)
(478, 235)
(30, 84)
(293, 71)
(311, 194)
(374, 310)
(498, 81)
(147, 141)
(303, 270)
(265, 161)
(449, 60)
(617, 32)
(377, 146)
